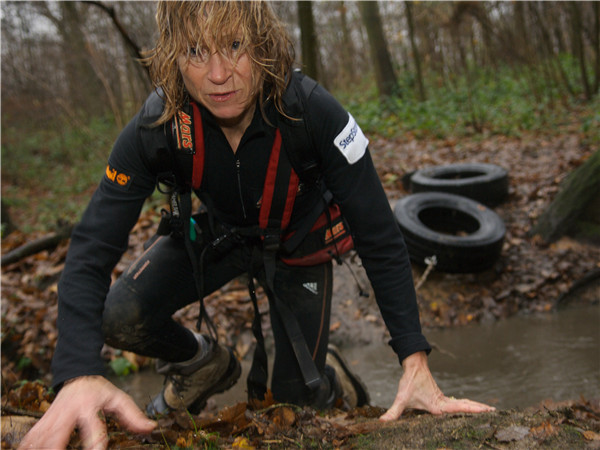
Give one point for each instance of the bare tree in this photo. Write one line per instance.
(84, 86)
(578, 47)
(347, 47)
(595, 38)
(385, 76)
(134, 49)
(415, 50)
(309, 39)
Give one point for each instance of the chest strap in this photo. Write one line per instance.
(281, 181)
(278, 202)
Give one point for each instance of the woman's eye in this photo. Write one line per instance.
(198, 54)
(235, 46)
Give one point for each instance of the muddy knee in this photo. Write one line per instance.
(122, 322)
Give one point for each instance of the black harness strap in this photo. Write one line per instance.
(296, 134)
(296, 239)
(259, 372)
(275, 213)
(188, 170)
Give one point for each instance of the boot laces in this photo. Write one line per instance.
(181, 383)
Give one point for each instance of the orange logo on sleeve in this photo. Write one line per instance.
(111, 173)
(117, 177)
(123, 179)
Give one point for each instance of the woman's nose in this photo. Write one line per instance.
(219, 69)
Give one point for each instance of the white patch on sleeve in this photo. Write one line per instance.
(351, 141)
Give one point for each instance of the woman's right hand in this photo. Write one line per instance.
(83, 402)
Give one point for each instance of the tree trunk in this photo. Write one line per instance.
(348, 52)
(84, 84)
(415, 50)
(579, 50)
(380, 55)
(132, 47)
(522, 36)
(596, 45)
(308, 38)
(579, 198)
(548, 47)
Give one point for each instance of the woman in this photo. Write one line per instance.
(232, 61)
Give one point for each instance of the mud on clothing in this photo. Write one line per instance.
(234, 182)
(140, 304)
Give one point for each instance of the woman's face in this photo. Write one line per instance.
(223, 84)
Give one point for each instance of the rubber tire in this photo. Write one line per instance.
(486, 183)
(430, 222)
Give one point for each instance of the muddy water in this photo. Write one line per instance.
(513, 363)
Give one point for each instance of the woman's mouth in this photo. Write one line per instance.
(221, 96)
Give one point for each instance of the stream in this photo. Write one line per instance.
(517, 362)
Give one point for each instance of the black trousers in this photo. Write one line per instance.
(140, 304)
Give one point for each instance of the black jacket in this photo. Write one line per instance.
(235, 184)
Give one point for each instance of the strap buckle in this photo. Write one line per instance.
(313, 384)
(271, 241)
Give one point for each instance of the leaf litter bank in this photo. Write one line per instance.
(531, 276)
(573, 424)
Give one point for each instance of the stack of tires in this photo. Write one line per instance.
(448, 215)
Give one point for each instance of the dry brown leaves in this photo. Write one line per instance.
(268, 425)
(264, 424)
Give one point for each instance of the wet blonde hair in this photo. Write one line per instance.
(214, 25)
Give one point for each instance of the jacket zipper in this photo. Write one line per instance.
(237, 170)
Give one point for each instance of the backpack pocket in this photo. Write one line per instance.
(328, 239)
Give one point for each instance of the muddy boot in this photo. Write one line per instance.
(354, 392)
(189, 384)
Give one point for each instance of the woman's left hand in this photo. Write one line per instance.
(417, 389)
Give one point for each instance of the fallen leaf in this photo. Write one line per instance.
(242, 442)
(235, 415)
(590, 435)
(14, 428)
(182, 442)
(284, 417)
(544, 431)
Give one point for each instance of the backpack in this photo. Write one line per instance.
(323, 234)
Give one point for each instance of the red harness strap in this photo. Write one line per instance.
(277, 202)
(198, 165)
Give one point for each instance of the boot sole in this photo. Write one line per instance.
(362, 395)
(231, 376)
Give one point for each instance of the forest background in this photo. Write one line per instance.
(512, 83)
(71, 80)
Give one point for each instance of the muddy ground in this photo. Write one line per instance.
(530, 276)
(566, 425)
